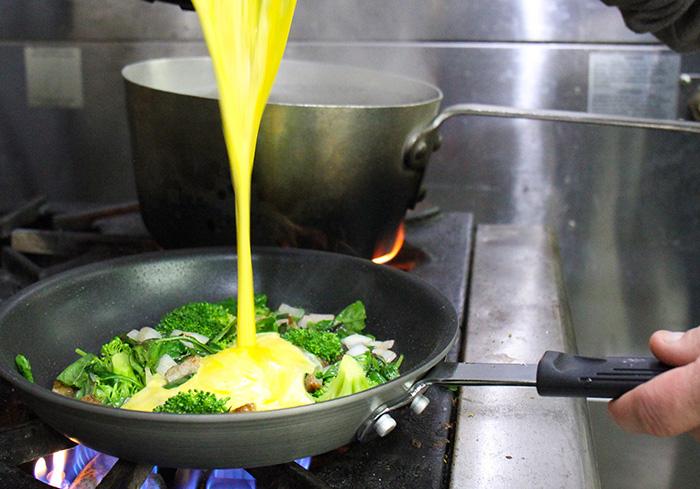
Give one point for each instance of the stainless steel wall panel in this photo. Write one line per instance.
(331, 20)
(72, 155)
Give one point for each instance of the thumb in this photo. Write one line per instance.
(667, 405)
(675, 347)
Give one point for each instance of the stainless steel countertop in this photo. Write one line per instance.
(508, 437)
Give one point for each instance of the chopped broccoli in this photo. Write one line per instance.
(197, 317)
(323, 344)
(351, 378)
(115, 345)
(24, 367)
(193, 402)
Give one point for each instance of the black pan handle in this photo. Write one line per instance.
(566, 375)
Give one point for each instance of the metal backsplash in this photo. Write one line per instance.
(627, 234)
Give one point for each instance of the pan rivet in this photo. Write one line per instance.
(419, 403)
(384, 425)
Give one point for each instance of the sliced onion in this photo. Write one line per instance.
(357, 350)
(315, 318)
(386, 355)
(356, 339)
(295, 312)
(147, 333)
(199, 337)
(164, 364)
(133, 335)
(382, 345)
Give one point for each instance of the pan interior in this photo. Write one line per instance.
(86, 307)
(298, 83)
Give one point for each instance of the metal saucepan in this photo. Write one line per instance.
(85, 307)
(340, 155)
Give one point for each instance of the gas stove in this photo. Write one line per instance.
(39, 241)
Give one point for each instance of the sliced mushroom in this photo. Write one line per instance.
(189, 366)
(63, 389)
(91, 399)
(245, 408)
(312, 383)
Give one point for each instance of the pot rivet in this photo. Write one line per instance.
(384, 425)
(421, 151)
(419, 403)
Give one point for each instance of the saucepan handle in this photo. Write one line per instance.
(422, 143)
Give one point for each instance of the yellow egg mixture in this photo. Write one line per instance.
(269, 375)
(246, 41)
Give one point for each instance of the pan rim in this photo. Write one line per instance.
(45, 394)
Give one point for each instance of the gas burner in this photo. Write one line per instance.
(38, 241)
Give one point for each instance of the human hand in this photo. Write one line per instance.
(669, 404)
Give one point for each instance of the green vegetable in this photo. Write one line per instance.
(75, 374)
(109, 378)
(24, 367)
(351, 378)
(377, 370)
(193, 402)
(351, 319)
(197, 317)
(323, 344)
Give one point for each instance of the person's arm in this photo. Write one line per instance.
(674, 22)
(669, 404)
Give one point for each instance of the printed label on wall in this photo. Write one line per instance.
(54, 77)
(634, 84)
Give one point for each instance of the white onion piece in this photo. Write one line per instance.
(133, 335)
(295, 312)
(386, 355)
(147, 333)
(315, 318)
(383, 345)
(356, 339)
(199, 337)
(164, 364)
(357, 350)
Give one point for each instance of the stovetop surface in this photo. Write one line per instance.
(416, 454)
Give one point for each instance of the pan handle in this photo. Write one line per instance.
(556, 374)
(421, 144)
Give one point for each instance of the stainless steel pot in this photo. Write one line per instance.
(329, 170)
(340, 156)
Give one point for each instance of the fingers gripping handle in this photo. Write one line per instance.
(562, 374)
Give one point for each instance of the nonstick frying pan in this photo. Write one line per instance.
(85, 307)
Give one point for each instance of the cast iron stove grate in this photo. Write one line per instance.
(37, 243)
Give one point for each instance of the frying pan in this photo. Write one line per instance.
(87, 306)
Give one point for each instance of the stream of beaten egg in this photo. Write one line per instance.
(246, 41)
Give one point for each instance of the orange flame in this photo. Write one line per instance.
(398, 243)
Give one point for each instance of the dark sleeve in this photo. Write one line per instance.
(675, 22)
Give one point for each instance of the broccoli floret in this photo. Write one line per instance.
(324, 345)
(116, 345)
(193, 402)
(198, 317)
(351, 378)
